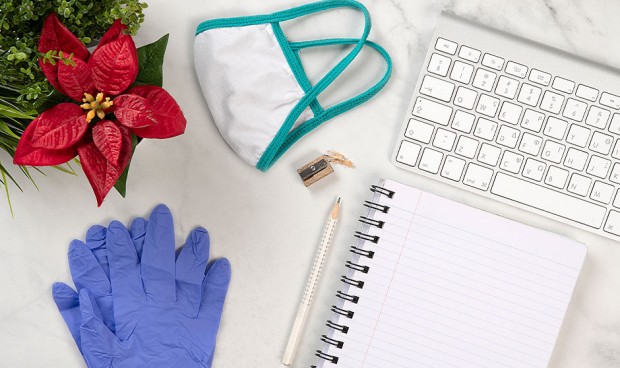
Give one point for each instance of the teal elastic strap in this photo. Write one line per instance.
(285, 137)
(335, 110)
(295, 63)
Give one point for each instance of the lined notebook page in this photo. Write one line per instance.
(453, 286)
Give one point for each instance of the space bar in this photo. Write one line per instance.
(548, 200)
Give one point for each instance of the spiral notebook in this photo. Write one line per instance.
(436, 283)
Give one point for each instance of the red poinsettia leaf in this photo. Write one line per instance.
(60, 127)
(115, 65)
(112, 33)
(55, 36)
(133, 111)
(101, 174)
(169, 118)
(108, 139)
(26, 154)
(75, 80)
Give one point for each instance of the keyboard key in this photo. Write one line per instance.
(433, 111)
(534, 169)
(485, 129)
(507, 87)
(444, 139)
(574, 110)
(493, 62)
(408, 153)
(510, 113)
(602, 192)
(511, 162)
(487, 105)
(463, 121)
(531, 144)
(576, 159)
(616, 202)
(466, 147)
(453, 168)
(597, 117)
(555, 128)
(430, 161)
(437, 88)
(515, 69)
(563, 85)
(532, 120)
(553, 151)
(529, 94)
(461, 72)
(614, 126)
(508, 136)
(439, 65)
(601, 143)
(598, 166)
(579, 184)
(465, 97)
(419, 131)
(615, 174)
(477, 176)
(540, 77)
(489, 154)
(470, 54)
(549, 200)
(552, 102)
(587, 93)
(609, 100)
(556, 177)
(612, 225)
(578, 135)
(446, 46)
(484, 80)
(616, 151)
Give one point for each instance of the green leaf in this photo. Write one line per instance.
(150, 61)
(121, 183)
(14, 113)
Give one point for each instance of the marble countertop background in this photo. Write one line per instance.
(268, 225)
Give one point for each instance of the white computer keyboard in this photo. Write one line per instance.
(517, 121)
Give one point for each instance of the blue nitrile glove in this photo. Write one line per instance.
(166, 313)
(88, 262)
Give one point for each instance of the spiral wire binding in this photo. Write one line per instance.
(376, 206)
(356, 267)
(372, 222)
(386, 192)
(347, 297)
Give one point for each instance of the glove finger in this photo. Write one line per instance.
(157, 266)
(95, 240)
(99, 344)
(124, 277)
(137, 231)
(68, 303)
(214, 288)
(86, 271)
(191, 265)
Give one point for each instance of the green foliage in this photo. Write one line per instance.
(150, 62)
(20, 25)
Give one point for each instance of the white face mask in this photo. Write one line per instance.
(259, 96)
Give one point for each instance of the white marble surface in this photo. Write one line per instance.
(268, 224)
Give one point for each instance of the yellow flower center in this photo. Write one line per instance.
(95, 105)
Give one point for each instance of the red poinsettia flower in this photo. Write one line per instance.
(99, 126)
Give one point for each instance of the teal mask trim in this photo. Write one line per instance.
(285, 137)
